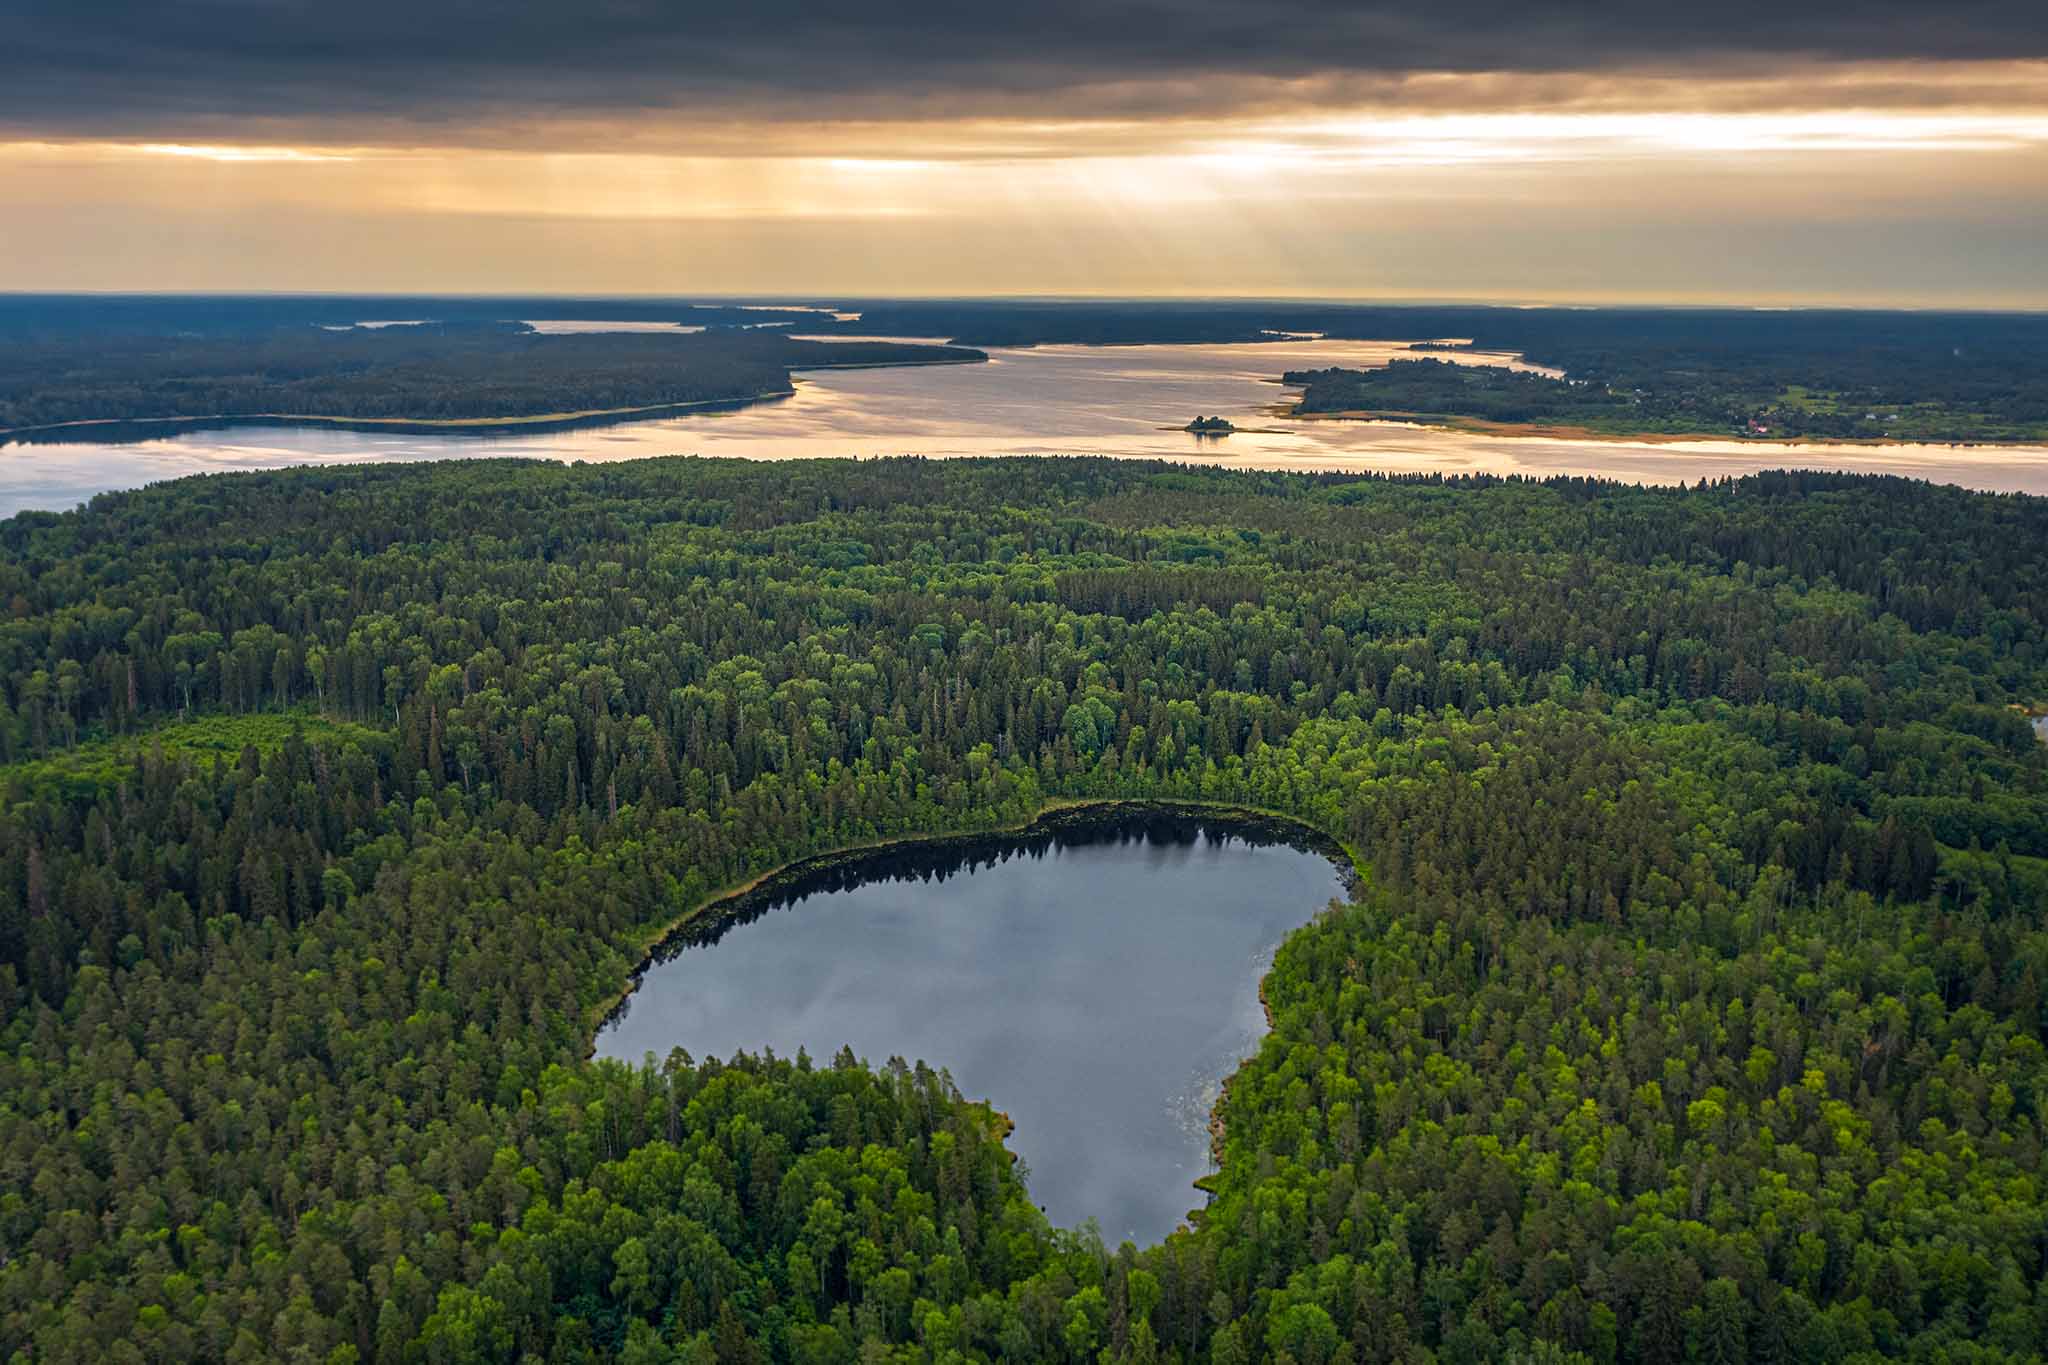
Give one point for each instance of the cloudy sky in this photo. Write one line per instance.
(1749, 151)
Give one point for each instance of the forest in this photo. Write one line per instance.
(1691, 1007)
(441, 372)
(1636, 399)
(1426, 387)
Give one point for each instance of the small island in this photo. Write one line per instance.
(1210, 426)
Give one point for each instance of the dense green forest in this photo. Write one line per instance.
(1637, 398)
(1693, 1007)
(1432, 388)
(450, 372)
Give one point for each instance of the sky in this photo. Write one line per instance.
(1860, 151)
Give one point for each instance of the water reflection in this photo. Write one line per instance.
(1157, 837)
(570, 326)
(1129, 401)
(1095, 980)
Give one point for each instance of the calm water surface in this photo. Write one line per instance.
(1051, 400)
(1096, 984)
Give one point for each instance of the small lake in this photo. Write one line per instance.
(1127, 401)
(1095, 979)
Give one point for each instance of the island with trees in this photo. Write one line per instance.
(1691, 1007)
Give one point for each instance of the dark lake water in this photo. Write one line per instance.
(1096, 981)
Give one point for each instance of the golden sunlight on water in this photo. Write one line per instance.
(1123, 401)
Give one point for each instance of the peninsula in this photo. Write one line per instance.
(456, 376)
(1750, 401)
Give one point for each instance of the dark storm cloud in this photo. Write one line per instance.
(137, 67)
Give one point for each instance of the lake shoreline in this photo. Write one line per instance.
(724, 902)
(1558, 431)
(95, 428)
(444, 426)
(1219, 1130)
(876, 860)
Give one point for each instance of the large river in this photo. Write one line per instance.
(1096, 982)
(1126, 401)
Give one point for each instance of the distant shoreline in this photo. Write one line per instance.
(446, 426)
(1558, 431)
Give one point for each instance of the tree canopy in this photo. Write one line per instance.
(1692, 1007)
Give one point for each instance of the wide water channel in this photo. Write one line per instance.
(1095, 979)
(1128, 401)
